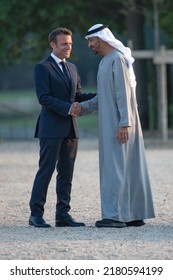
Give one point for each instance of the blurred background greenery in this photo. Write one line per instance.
(25, 25)
(19, 111)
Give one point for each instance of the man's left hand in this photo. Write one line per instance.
(122, 135)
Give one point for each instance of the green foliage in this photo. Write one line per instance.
(25, 25)
(166, 18)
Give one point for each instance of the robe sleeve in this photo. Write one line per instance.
(90, 106)
(123, 91)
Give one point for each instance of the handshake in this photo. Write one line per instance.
(76, 109)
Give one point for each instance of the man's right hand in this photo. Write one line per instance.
(75, 109)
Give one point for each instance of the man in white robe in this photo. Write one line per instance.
(126, 198)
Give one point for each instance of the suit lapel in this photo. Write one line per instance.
(58, 70)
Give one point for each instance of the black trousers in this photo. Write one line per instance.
(59, 154)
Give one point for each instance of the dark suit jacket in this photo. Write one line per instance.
(55, 97)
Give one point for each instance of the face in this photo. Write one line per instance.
(63, 47)
(94, 44)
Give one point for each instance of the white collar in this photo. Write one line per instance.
(57, 59)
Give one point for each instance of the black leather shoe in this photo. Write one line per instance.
(110, 223)
(137, 223)
(67, 221)
(38, 222)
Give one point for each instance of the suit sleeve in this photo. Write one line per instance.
(43, 90)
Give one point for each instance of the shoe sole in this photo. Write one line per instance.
(111, 225)
(67, 225)
(135, 225)
(32, 224)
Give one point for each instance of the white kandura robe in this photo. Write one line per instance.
(124, 181)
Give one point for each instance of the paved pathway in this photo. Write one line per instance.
(18, 164)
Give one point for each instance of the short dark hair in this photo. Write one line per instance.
(60, 30)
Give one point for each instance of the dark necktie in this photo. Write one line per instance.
(66, 74)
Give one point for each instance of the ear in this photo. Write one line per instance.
(52, 44)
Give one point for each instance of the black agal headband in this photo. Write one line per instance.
(96, 30)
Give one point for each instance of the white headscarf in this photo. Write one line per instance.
(104, 33)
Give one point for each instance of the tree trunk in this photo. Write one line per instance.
(135, 30)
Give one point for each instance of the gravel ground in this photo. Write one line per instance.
(18, 164)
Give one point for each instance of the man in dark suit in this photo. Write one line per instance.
(58, 87)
